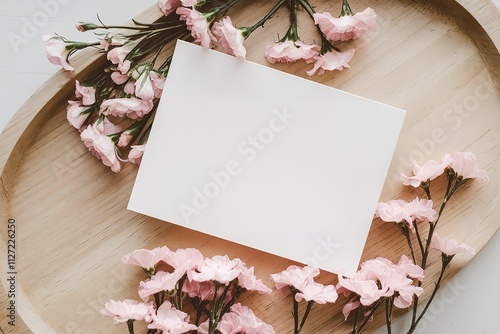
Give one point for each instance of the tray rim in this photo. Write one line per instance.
(479, 19)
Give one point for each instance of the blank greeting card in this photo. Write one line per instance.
(266, 159)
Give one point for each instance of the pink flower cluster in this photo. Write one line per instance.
(134, 94)
(380, 278)
(462, 163)
(301, 282)
(218, 280)
(450, 247)
(399, 211)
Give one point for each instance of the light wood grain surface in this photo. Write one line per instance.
(437, 61)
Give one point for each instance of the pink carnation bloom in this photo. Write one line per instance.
(450, 247)
(398, 211)
(117, 55)
(230, 38)
(302, 279)
(290, 51)
(346, 27)
(96, 138)
(119, 78)
(136, 153)
(57, 53)
(464, 164)
(407, 268)
(248, 281)
(161, 281)
(331, 61)
(198, 25)
(74, 114)
(146, 258)
(86, 93)
(125, 139)
(428, 171)
(218, 268)
(170, 320)
(202, 290)
(132, 107)
(241, 319)
(122, 311)
(404, 287)
(168, 6)
(317, 292)
(184, 260)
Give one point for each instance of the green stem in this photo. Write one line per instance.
(130, 325)
(346, 9)
(248, 30)
(406, 232)
(306, 314)
(367, 319)
(211, 318)
(389, 305)
(419, 239)
(355, 322)
(295, 314)
(326, 46)
(445, 260)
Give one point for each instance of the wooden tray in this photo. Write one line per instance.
(437, 59)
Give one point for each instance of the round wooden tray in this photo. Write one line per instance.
(438, 60)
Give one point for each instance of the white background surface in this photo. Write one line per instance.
(467, 305)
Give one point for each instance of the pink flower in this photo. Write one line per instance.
(198, 25)
(293, 276)
(230, 38)
(158, 82)
(350, 306)
(290, 51)
(119, 78)
(346, 27)
(241, 319)
(96, 138)
(450, 247)
(399, 211)
(74, 114)
(379, 278)
(131, 107)
(57, 51)
(218, 268)
(125, 139)
(146, 258)
(331, 61)
(464, 164)
(161, 281)
(407, 268)
(87, 93)
(202, 290)
(317, 292)
(428, 171)
(367, 290)
(168, 6)
(302, 279)
(117, 55)
(122, 311)
(170, 320)
(248, 281)
(184, 260)
(136, 153)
